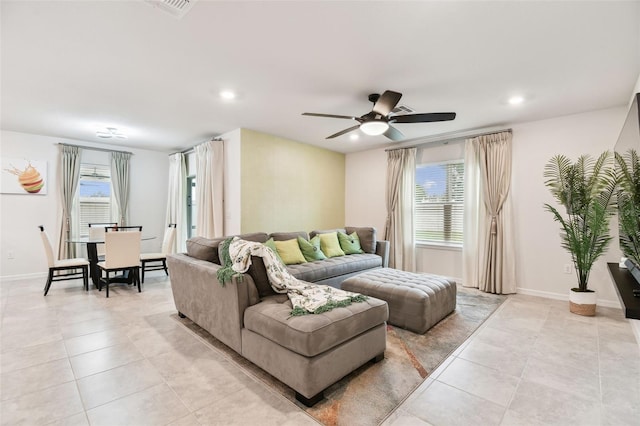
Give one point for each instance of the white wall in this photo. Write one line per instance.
(232, 182)
(539, 257)
(365, 183)
(21, 214)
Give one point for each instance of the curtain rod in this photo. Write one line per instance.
(190, 150)
(95, 149)
(448, 137)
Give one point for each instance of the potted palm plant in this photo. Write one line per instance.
(586, 190)
(628, 198)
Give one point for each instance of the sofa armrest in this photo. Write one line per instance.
(382, 250)
(199, 296)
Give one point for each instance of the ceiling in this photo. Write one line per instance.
(69, 68)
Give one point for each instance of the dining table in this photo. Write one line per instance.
(92, 256)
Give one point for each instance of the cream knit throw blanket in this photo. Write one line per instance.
(305, 297)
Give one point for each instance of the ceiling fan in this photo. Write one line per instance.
(378, 121)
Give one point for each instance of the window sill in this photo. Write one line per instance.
(439, 246)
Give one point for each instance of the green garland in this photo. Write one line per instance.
(331, 304)
(226, 273)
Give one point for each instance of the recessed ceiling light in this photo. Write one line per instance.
(227, 94)
(516, 100)
(354, 137)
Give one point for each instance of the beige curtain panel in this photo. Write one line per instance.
(209, 189)
(177, 199)
(69, 179)
(120, 164)
(489, 257)
(401, 169)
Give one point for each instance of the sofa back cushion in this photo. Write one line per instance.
(203, 248)
(284, 236)
(258, 237)
(258, 272)
(325, 231)
(367, 237)
(252, 290)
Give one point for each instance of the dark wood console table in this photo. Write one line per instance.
(625, 284)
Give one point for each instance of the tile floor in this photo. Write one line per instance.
(76, 358)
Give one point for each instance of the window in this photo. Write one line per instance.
(94, 196)
(439, 199)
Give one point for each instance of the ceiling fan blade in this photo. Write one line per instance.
(394, 134)
(350, 129)
(387, 102)
(313, 114)
(423, 118)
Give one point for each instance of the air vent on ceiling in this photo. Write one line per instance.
(175, 8)
(402, 109)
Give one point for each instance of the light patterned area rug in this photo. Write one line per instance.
(369, 394)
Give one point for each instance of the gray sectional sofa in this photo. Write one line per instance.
(307, 353)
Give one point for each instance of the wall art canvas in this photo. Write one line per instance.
(23, 176)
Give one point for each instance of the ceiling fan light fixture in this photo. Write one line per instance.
(374, 127)
(385, 110)
(110, 132)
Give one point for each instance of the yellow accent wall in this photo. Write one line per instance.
(289, 186)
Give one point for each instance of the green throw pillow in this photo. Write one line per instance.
(350, 244)
(311, 249)
(330, 245)
(272, 245)
(289, 252)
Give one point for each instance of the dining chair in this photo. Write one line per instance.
(123, 228)
(71, 266)
(158, 261)
(96, 232)
(122, 253)
(128, 228)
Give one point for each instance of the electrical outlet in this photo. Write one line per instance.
(568, 268)
(10, 254)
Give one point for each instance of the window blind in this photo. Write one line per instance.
(439, 202)
(94, 196)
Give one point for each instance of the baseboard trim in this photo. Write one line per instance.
(22, 277)
(557, 296)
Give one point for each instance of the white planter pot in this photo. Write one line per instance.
(582, 302)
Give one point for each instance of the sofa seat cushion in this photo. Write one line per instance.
(334, 266)
(310, 335)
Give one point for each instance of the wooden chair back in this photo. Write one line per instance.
(169, 239)
(48, 249)
(123, 228)
(96, 232)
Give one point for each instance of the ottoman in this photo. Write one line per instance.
(416, 301)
